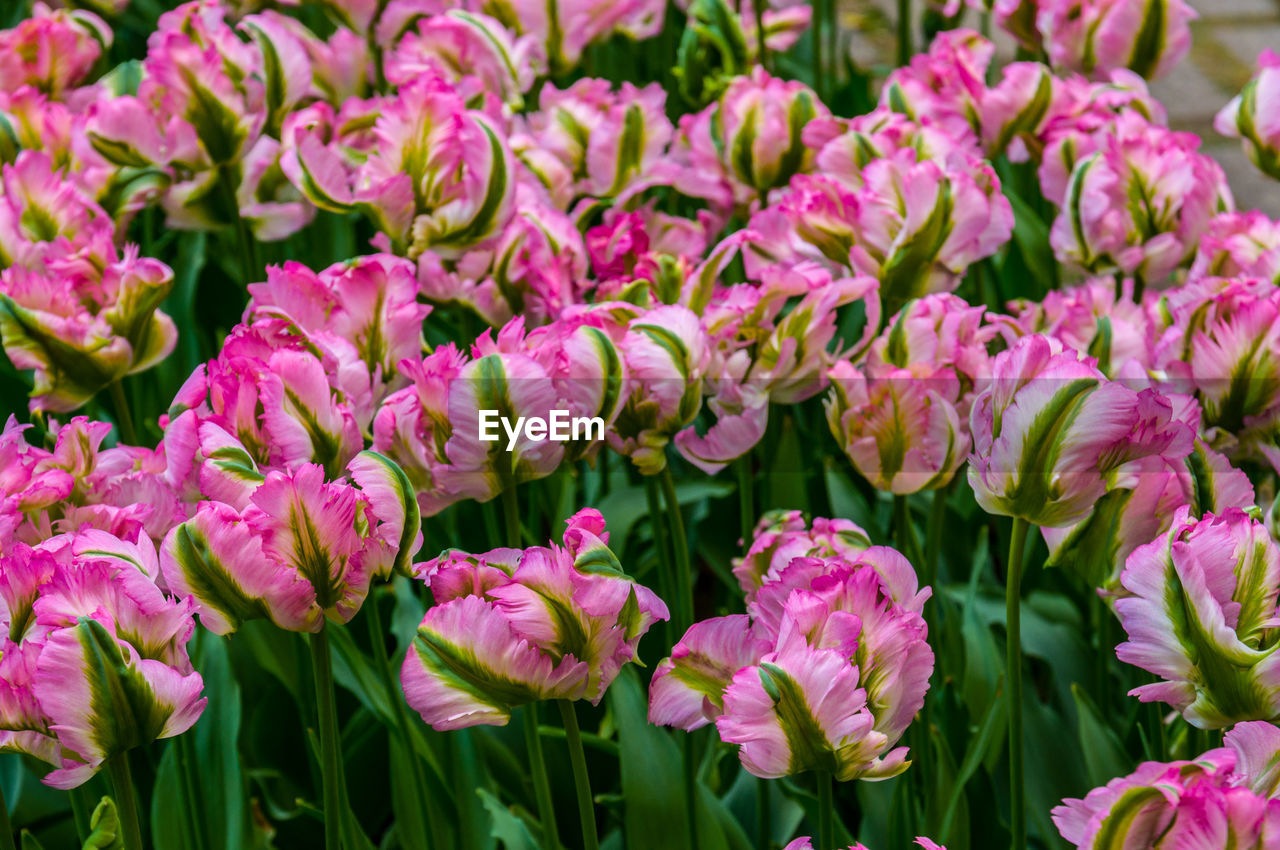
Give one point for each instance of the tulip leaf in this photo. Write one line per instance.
(508, 828)
(1104, 757)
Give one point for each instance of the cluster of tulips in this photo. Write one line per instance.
(284, 287)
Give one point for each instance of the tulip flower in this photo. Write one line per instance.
(53, 50)
(85, 322)
(667, 356)
(302, 549)
(1208, 639)
(472, 49)
(607, 143)
(753, 133)
(95, 655)
(512, 627)
(1180, 191)
(1051, 432)
(1239, 245)
(439, 177)
(807, 844)
(849, 659)
(1230, 356)
(1225, 795)
(901, 431)
(782, 536)
(1093, 37)
(369, 302)
(1253, 116)
(943, 86)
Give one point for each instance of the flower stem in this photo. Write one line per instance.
(904, 32)
(762, 49)
(187, 773)
(746, 499)
(764, 815)
(666, 582)
(680, 544)
(1013, 673)
(904, 533)
(377, 637)
(581, 781)
(511, 513)
(826, 812)
(326, 709)
(124, 418)
(6, 828)
(541, 786)
(933, 535)
(126, 800)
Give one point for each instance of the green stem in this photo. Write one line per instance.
(541, 786)
(666, 582)
(826, 812)
(581, 781)
(377, 637)
(904, 532)
(933, 535)
(764, 816)
(190, 786)
(6, 827)
(124, 417)
(904, 32)
(511, 512)
(818, 75)
(746, 497)
(81, 812)
(763, 51)
(680, 544)
(691, 787)
(126, 800)
(327, 712)
(1013, 673)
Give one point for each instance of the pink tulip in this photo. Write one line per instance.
(782, 536)
(1225, 795)
(667, 356)
(53, 50)
(1254, 115)
(85, 621)
(1096, 36)
(515, 626)
(472, 50)
(607, 143)
(1225, 574)
(1245, 244)
(900, 430)
(1051, 432)
(301, 550)
(369, 302)
(944, 86)
(1083, 116)
(753, 133)
(1181, 190)
(849, 655)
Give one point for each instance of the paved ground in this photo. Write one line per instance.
(1227, 39)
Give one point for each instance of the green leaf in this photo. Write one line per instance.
(1104, 757)
(939, 801)
(654, 813)
(512, 832)
(105, 828)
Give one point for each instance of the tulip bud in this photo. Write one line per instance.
(1253, 116)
